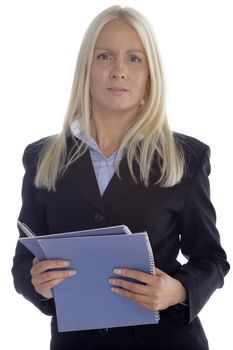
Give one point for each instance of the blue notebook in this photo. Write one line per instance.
(31, 242)
(85, 301)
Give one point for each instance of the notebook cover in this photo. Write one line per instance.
(85, 301)
(31, 243)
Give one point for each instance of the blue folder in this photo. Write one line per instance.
(85, 301)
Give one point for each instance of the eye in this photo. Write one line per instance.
(103, 57)
(134, 59)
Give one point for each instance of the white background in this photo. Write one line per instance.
(39, 45)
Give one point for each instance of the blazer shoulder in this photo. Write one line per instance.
(33, 150)
(195, 152)
(191, 146)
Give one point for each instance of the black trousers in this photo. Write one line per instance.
(169, 334)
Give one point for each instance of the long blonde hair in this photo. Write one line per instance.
(148, 137)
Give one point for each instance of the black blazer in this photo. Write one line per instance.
(179, 217)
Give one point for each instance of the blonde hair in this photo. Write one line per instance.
(149, 136)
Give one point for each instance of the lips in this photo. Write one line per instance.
(117, 89)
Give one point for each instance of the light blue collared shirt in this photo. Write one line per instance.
(104, 167)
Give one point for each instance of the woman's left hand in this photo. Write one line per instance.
(158, 293)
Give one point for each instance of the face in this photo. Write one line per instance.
(119, 71)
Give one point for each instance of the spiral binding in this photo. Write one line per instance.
(151, 255)
(152, 269)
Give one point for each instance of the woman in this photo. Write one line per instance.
(117, 162)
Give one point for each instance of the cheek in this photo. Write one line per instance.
(141, 85)
(94, 82)
(97, 78)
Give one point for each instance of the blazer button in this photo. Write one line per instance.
(99, 217)
(103, 332)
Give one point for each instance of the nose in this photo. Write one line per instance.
(118, 70)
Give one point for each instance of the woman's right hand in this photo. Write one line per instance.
(44, 279)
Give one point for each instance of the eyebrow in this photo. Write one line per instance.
(128, 51)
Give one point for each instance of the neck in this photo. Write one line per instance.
(108, 130)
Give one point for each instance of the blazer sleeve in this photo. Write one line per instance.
(32, 216)
(200, 242)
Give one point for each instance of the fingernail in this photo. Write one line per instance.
(65, 263)
(72, 273)
(117, 271)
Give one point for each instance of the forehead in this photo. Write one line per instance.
(119, 33)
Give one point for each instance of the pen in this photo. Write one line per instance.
(28, 232)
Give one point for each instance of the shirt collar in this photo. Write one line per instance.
(76, 130)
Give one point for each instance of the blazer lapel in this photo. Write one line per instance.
(81, 176)
(119, 187)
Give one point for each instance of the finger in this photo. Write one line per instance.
(152, 307)
(44, 265)
(52, 275)
(130, 286)
(51, 284)
(35, 261)
(142, 300)
(136, 298)
(138, 275)
(45, 288)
